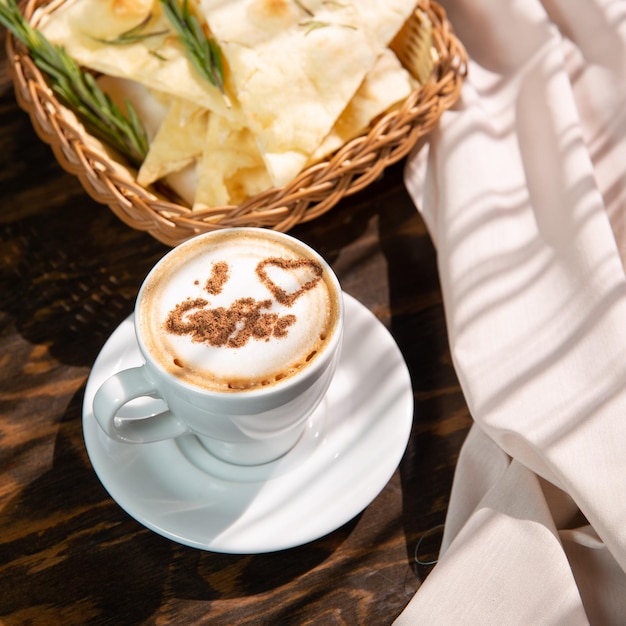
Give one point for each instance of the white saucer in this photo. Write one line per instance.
(350, 449)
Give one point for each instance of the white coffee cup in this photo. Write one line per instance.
(241, 332)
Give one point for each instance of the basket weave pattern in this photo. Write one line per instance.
(313, 192)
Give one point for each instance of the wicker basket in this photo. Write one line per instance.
(313, 192)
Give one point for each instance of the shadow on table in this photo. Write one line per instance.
(441, 419)
(70, 275)
(96, 565)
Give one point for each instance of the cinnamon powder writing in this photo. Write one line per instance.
(245, 318)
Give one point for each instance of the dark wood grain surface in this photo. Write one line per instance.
(69, 274)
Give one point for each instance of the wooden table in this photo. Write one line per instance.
(69, 274)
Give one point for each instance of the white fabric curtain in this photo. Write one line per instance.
(523, 189)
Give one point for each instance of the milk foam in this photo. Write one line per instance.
(299, 329)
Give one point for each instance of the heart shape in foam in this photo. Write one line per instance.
(288, 279)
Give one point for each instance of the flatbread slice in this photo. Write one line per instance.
(387, 84)
(231, 168)
(296, 65)
(86, 28)
(179, 141)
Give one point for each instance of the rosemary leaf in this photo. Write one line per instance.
(133, 35)
(304, 8)
(202, 51)
(78, 90)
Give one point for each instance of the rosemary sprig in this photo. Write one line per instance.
(202, 50)
(78, 89)
(133, 35)
(311, 25)
(304, 8)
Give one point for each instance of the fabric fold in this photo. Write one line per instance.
(522, 190)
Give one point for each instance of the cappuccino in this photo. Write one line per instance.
(242, 312)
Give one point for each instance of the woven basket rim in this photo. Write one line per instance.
(313, 192)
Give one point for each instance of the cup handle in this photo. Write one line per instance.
(120, 389)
